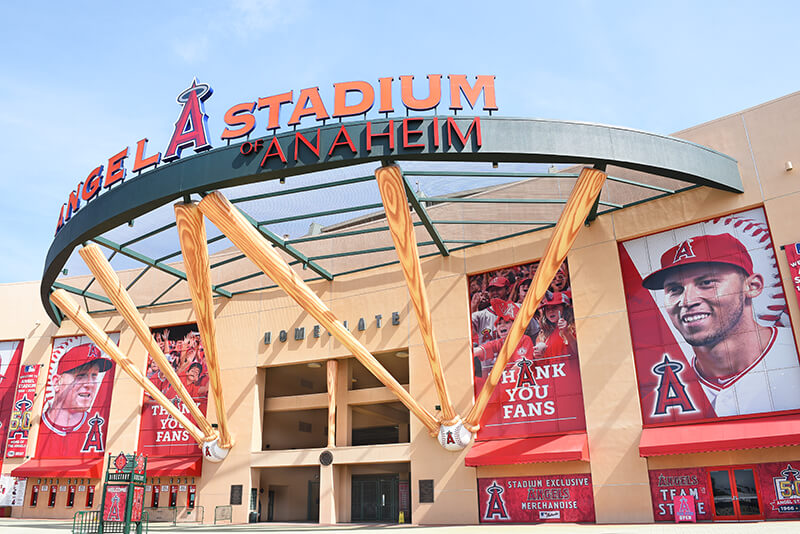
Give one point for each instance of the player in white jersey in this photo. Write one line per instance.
(744, 367)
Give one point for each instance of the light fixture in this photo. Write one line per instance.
(401, 354)
(314, 365)
(494, 164)
(789, 166)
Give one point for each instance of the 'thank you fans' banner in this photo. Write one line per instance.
(19, 424)
(709, 324)
(77, 400)
(540, 390)
(551, 499)
(10, 355)
(160, 435)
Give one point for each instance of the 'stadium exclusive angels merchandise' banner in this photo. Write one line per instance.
(540, 390)
(160, 436)
(10, 355)
(709, 324)
(77, 400)
(539, 499)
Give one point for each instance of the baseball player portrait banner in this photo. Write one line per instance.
(709, 322)
(540, 390)
(538, 499)
(160, 436)
(19, 423)
(10, 355)
(77, 400)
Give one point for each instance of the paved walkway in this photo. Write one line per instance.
(43, 526)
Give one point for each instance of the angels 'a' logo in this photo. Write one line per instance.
(24, 404)
(684, 251)
(94, 436)
(495, 507)
(114, 509)
(525, 378)
(671, 391)
(450, 440)
(787, 486)
(191, 127)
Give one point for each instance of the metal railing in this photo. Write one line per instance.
(86, 522)
(223, 513)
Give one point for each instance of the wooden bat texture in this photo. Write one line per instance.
(192, 235)
(332, 369)
(236, 228)
(395, 204)
(104, 273)
(586, 190)
(79, 316)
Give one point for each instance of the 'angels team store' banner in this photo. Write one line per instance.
(10, 355)
(160, 436)
(709, 324)
(540, 390)
(77, 400)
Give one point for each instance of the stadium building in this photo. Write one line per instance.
(412, 314)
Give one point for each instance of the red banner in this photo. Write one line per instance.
(138, 503)
(780, 489)
(114, 506)
(19, 424)
(539, 499)
(160, 436)
(709, 322)
(77, 400)
(10, 356)
(667, 484)
(540, 390)
(793, 257)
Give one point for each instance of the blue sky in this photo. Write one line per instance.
(79, 81)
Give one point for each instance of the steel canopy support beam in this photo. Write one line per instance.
(82, 293)
(423, 216)
(151, 262)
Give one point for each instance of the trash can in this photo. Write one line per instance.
(253, 518)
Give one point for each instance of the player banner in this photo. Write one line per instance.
(666, 484)
(160, 436)
(540, 390)
(539, 499)
(709, 323)
(19, 424)
(77, 400)
(10, 356)
(780, 489)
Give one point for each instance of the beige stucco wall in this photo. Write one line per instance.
(762, 139)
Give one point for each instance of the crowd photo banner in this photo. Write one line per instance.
(709, 322)
(160, 435)
(10, 355)
(77, 400)
(540, 392)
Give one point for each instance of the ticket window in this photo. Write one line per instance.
(89, 496)
(51, 501)
(34, 496)
(154, 496)
(190, 496)
(173, 496)
(71, 496)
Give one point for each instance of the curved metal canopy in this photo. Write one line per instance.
(466, 191)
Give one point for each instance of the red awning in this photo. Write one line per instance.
(60, 467)
(721, 436)
(561, 448)
(174, 467)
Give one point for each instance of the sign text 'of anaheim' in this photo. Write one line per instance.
(349, 99)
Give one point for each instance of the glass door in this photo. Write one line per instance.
(735, 494)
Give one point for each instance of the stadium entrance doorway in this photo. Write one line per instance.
(375, 498)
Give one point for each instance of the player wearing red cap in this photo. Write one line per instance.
(70, 426)
(709, 286)
(483, 316)
(505, 312)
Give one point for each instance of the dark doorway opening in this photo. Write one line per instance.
(375, 498)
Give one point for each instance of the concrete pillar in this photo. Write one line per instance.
(327, 495)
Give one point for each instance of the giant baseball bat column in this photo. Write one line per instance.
(192, 235)
(79, 316)
(577, 208)
(236, 228)
(104, 273)
(395, 204)
(332, 371)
